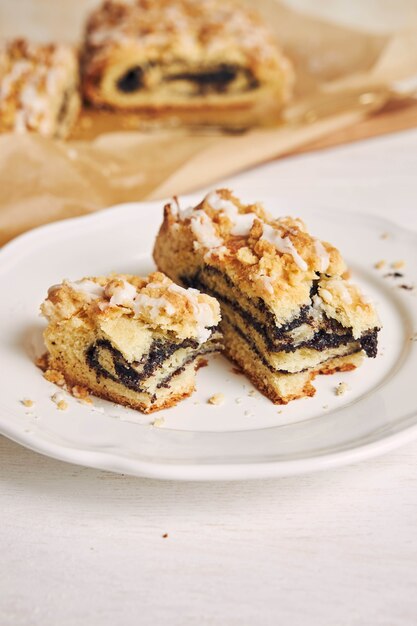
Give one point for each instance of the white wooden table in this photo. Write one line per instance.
(80, 546)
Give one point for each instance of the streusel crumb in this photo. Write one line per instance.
(341, 389)
(217, 398)
(53, 376)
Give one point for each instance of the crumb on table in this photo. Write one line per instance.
(341, 389)
(217, 398)
(158, 422)
(27, 402)
(397, 265)
(384, 235)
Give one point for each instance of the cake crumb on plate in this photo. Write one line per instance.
(59, 399)
(341, 389)
(217, 398)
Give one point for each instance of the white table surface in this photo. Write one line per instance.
(80, 546)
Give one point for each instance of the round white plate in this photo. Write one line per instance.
(245, 437)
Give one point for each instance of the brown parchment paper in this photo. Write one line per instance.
(343, 76)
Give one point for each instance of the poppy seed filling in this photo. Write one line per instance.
(211, 79)
(330, 334)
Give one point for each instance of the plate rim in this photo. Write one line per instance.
(107, 461)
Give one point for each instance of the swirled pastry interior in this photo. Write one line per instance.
(288, 312)
(136, 341)
(182, 54)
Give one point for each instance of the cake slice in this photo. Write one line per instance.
(136, 341)
(288, 312)
(38, 88)
(182, 55)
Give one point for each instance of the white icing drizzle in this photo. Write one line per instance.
(326, 295)
(220, 204)
(203, 312)
(203, 228)
(88, 288)
(322, 254)
(184, 214)
(154, 306)
(283, 245)
(242, 222)
(123, 295)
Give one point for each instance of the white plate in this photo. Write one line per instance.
(247, 436)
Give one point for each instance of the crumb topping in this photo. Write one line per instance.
(204, 31)
(156, 301)
(276, 260)
(32, 76)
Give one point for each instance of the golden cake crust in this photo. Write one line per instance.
(38, 88)
(130, 402)
(208, 32)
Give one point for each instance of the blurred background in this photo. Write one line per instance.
(63, 19)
